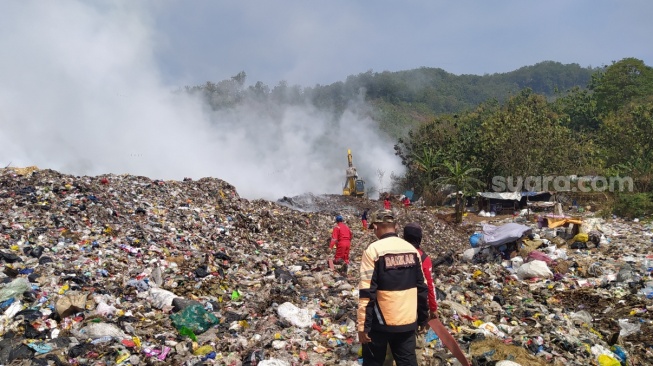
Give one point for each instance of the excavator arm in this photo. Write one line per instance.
(353, 185)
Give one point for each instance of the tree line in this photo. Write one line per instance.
(548, 119)
(604, 129)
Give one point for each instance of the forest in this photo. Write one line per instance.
(462, 131)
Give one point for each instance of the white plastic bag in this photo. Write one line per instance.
(99, 330)
(507, 363)
(517, 262)
(582, 316)
(534, 269)
(469, 254)
(490, 330)
(161, 298)
(105, 310)
(561, 253)
(298, 317)
(273, 362)
(628, 328)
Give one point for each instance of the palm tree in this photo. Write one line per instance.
(461, 177)
(428, 162)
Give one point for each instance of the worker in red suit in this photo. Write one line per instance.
(406, 202)
(413, 235)
(341, 239)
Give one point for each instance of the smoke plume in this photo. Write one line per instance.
(81, 93)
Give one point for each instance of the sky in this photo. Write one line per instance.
(86, 86)
(310, 42)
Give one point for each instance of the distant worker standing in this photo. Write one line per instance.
(341, 239)
(364, 218)
(406, 202)
(386, 202)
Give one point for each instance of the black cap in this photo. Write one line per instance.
(413, 234)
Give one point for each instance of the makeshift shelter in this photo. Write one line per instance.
(537, 200)
(499, 202)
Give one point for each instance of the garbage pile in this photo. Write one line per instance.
(574, 297)
(128, 270)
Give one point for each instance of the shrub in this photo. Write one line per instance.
(633, 205)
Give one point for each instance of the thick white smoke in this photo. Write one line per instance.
(80, 92)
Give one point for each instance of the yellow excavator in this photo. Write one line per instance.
(353, 185)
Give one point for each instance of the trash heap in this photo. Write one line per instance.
(127, 270)
(573, 297)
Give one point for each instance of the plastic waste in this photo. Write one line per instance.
(647, 264)
(105, 310)
(161, 298)
(628, 328)
(475, 239)
(507, 363)
(620, 353)
(605, 360)
(581, 237)
(625, 273)
(516, 262)
(105, 339)
(583, 317)
(40, 347)
(534, 269)
(273, 362)
(15, 288)
(469, 254)
(491, 330)
(140, 285)
(203, 350)
(302, 318)
(99, 330)
(195, 318)
(235, 295)
(179, 304)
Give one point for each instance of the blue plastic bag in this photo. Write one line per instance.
(475, 239)
(431, 336)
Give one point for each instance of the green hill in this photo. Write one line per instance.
(403, 99)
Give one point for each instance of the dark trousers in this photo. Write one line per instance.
(402, 346)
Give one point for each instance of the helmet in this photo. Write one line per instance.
(339, 218)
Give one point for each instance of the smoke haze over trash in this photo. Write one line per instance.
(81, 93)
